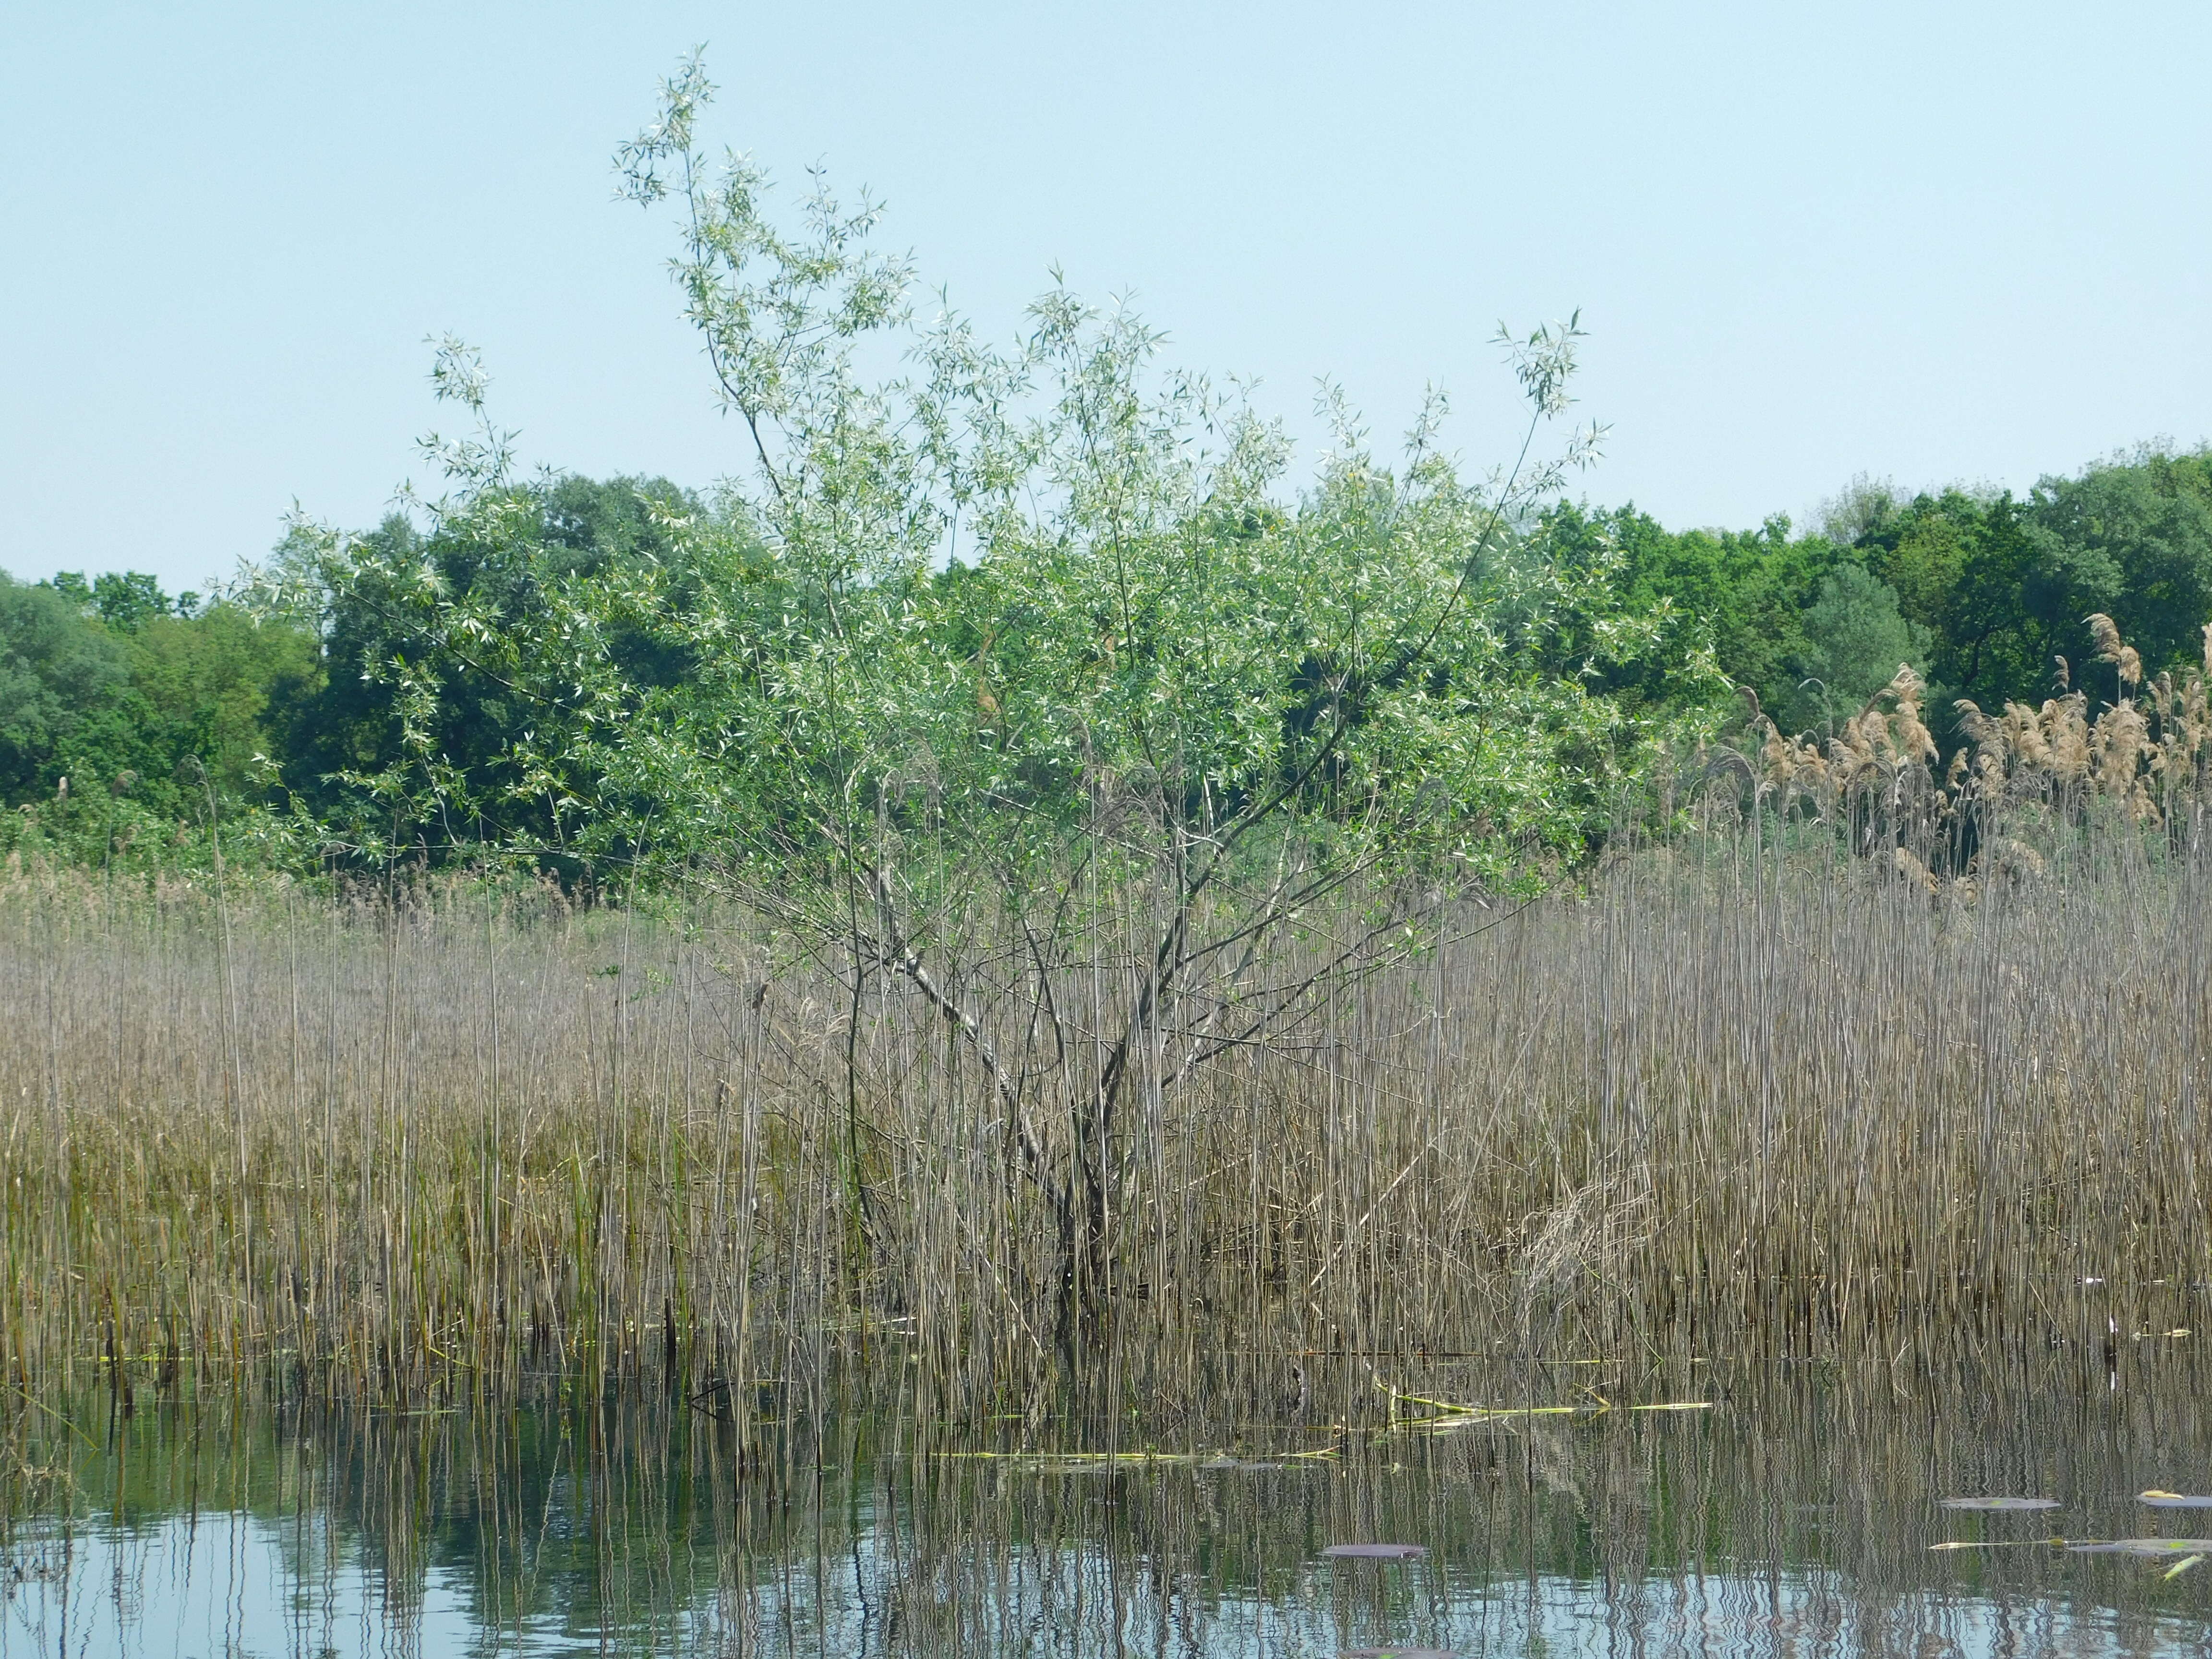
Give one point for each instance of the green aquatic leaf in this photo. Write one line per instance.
(2004, 1544)
(2164, 1546)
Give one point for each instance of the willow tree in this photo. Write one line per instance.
(1022, 679)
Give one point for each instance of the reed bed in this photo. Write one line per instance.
(435, 1143)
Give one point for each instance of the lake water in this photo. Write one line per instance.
(1771, 1513)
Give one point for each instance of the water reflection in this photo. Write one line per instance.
(1795, 1516)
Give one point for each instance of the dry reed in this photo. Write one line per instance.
(1730, 1103)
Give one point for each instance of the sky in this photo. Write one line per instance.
(1927, 242)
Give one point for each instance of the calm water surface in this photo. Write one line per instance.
(1792, 1514)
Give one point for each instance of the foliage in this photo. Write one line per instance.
(998, 599)
(2134, 541)
(126, 717)
(123, 599)
(1987, 596)
(57, 673)
(1854, 640)
(1736, 598)
(347, 745)
(1004, 581)
(2005, 587)
(1970, 570)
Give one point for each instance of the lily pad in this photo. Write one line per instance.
(2001, 1505)
(2172, 1500)
(2151, 1547)
(1989, 1544)
(1376, 1552)
(2164, 1545)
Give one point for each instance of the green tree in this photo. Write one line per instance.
(343, 743)
(1155, 714)
(1996, 605)
(1734, 599)
(58, 672)
(2133, 540)
(2004, 587)
(218, 685)
(111, 679)
(123, 600)
(1854, 640)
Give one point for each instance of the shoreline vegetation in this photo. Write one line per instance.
(1731, 1102)
(1016, 890)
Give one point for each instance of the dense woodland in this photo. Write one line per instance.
(114, 695)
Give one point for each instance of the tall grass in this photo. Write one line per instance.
(431, 1143)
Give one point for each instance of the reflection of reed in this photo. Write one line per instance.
(1798, 1515)
(1795, 1116)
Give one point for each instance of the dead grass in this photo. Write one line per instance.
(1725, 1105)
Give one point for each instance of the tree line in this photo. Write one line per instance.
(1986, 593)
(1020, 602)
(111, 689)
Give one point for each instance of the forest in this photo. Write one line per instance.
(130, 719)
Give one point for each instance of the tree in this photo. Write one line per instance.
(1855, 641)
(1735, 600)
(122, 599)
(1011, 684)
(111, 679)
(1968, 569)
(2004, 587)
(368, 723)
(2133, 541)
(58, 671)
(218, 685)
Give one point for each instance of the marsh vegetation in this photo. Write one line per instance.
(1014, 947)
(1732, 1102)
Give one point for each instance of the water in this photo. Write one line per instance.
(1792, 1514)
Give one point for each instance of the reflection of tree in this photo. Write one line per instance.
(1804, 1509)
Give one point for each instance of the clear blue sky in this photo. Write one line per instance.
(1931, 241)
